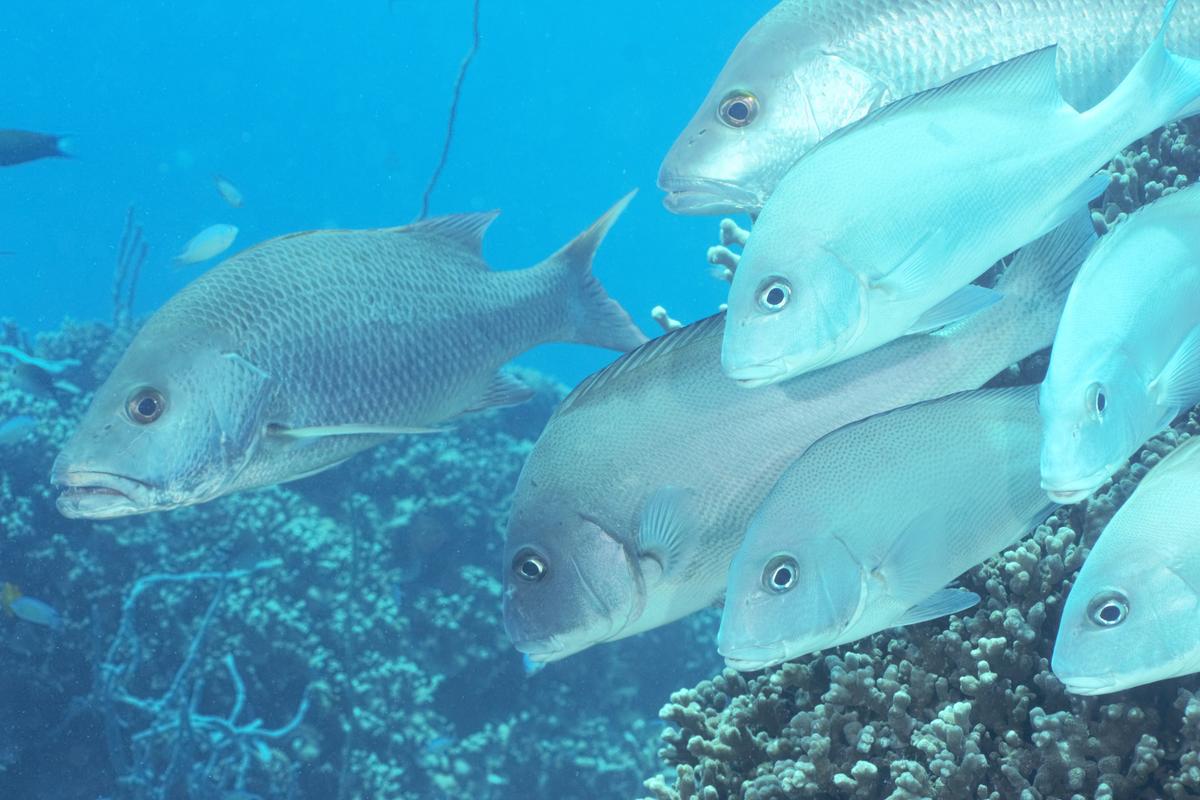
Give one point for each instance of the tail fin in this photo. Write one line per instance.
(592, 316)
(64, 146)
(1162, 86)
(1042, 272)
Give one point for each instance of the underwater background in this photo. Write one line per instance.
(340, 636)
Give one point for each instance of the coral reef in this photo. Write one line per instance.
(338, 637)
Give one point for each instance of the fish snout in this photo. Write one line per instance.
(1088, 684)
(87, 494)
(694, 196)
(1068, 491)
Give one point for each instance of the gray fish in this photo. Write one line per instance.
(638, 493)
(298, 353)
(18, 147)
(810, 67)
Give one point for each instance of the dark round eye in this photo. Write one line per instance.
(780, 574)
(1097, 401)
(145, 406)
(529, 566)
(738, 109)
(1108, 609)
(774, 294)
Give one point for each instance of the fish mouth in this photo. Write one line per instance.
(1089, 684)
(706, 196)
(752, 376)
(1071, 492)
(543, 651)
(101, 495)
(752, 658)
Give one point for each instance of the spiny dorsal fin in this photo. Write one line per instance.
(646, 354)
(466, 230)
(1026, 81)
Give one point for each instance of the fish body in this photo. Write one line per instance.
(19, 147)
(16, 429)
(636, 496)
(810, 67)
(229, 193)
(864, 531)
(815, 285)
(208, 243)
(298, 353)
(1126, 359)
(29, 609)
(1130, 618)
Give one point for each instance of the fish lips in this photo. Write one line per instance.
(1089, 684)
(101, 495)
(706, 196)
(752, 658)
(1070, 492)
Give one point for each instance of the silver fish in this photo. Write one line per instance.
(816, 285)
(208, 243)
(1130, 618)
(637, 494)
(864, 531)
(294, 355)
(810, 67)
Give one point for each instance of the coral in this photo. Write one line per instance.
(1153, 167)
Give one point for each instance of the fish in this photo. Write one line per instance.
(208, 243)
(1126, 358)
(20, 147)
(864, 531)
(16, 429)
(817, 284)
(229, 193)
(811, 67)
(1129, 618)
(294, 355)
(636, 496)
(16, 604)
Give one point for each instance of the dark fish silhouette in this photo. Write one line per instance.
(17, 147)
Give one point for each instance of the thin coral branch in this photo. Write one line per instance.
(458, 84)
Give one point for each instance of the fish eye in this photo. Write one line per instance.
(780, 574)
(1108, 609)
(1097, 401)
(774, 294)
(145, 406)
(738, 109)
(529, 566)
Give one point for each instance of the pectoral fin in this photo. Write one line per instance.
(1077, 201)
(960, 305)
(1178, 385)
(919, 269)
(321, 431)
(939, 604)
(664, 528)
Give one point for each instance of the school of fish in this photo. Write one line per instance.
(820, 459)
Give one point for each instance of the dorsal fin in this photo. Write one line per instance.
(466, 230)
(1027, 81)
(646, 354)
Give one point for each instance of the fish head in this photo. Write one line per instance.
(1092, 421)
(1128, 621)
(783, 89)
(791, 310)
(173, 425)
(568, 582)
(784, 601)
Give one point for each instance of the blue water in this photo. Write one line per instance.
(330, 115)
